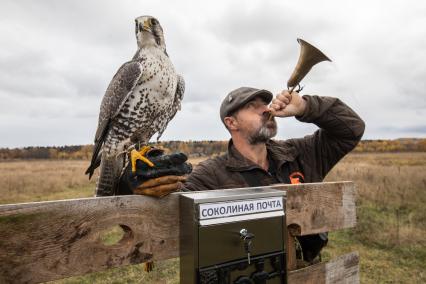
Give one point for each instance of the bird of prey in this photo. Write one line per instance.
(143, 96)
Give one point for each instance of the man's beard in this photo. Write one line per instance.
(263, 133)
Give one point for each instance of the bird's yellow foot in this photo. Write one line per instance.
(140, 155)
(148, 266)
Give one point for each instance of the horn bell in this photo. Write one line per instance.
(309, 56)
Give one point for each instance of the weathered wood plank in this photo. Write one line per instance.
(320, 207)
(344, 269)
(290, 252)
(51, 240)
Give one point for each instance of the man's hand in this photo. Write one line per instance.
(286, 104)
(166, 176)
(161, 186)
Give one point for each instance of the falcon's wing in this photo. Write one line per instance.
(116, 94)
(180, 90)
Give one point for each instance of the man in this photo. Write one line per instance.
(252, 153)
(253, 159)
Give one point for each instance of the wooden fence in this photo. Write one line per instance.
(43, 241)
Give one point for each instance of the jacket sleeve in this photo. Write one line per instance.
(340, 131)
(201, 178)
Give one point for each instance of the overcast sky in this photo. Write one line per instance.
(58, 57)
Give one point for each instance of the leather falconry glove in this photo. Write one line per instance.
(166, 174)
(161, 186)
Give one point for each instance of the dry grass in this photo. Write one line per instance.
(393, 185)
(37, 180)
(42, 180)
(390, 208)
(391, 229)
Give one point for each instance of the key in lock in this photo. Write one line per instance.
(247, 238)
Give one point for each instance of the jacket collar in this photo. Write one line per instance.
(280, 152)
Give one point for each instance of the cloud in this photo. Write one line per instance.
(58, 57)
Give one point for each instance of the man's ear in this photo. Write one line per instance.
(231, 123)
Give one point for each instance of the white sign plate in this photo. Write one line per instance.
(240, 207)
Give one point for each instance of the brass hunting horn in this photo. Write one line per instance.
(309, 56)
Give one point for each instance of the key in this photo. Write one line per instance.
(247, 244)
(247, 238)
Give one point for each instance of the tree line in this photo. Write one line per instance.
(194, 149)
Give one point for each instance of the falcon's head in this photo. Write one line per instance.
(149, 32)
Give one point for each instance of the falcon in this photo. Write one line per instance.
(141, 99)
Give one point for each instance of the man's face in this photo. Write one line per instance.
(253, 121)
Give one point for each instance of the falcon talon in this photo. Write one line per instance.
(144, 150)
(135, 155)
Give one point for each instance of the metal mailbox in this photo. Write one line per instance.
(233, 236)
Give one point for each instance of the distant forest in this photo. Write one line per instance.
(195, 149)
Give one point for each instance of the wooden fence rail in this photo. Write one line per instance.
(44, 241)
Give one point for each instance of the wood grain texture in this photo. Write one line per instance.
(320, 207)
(52, 240)
(344, 269)
(44, 241)
(290, 252)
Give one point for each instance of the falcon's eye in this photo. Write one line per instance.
(154, 22)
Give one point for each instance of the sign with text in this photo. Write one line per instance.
(240, 207)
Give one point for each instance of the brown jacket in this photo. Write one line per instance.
(307, 159)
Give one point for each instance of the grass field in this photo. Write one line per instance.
(390, 235)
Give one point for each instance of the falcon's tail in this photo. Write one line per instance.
(93, 165)
(101, 134)
(109, 175)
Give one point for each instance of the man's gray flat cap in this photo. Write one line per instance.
(239, 97)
